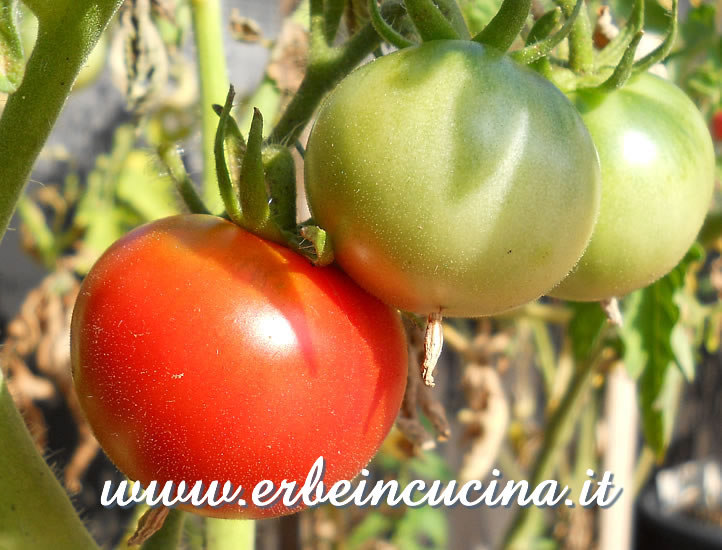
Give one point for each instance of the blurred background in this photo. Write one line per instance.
(500, 379)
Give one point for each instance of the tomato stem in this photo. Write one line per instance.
(31, 494)
(67, 32)
(213, 83)
(386, 31)
(624, 69)
(556, 435)
(613, 52)
(541, 42)
(222, 534)
(506, 25)
(581, 46)
(451, 11)
(662, 51)
(325, 69)
(430, 21)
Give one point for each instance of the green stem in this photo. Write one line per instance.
(169, 536)
(68, 31)
(170, 156)
(225, 183)
(624, 70)
(214, 82)
(543, 45)
(323, 73)
(556, 436)
(226, 534)
(35, 511)
(662, 51)
(581, 47)
(386, 31)
(429, 21)
(612, 52)
(506, 25)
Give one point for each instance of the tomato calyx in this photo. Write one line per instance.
(257, 183)
(608, 68)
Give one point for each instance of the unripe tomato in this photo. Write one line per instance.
(452, 179)
(201, 352)
(658, 173)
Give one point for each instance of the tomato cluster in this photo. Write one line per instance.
(450, 180)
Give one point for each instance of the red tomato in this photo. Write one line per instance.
(201, 352)
(716, 126)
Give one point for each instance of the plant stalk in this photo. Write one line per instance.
(228, 534)
(35, 511)
(67, 32)
(213, 76)
(556, 436)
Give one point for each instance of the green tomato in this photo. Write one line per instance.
(658, 165)
(452, 180)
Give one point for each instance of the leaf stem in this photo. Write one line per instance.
(67, 32)
(508, 22)
(324, 71)
(581, 47)
(208, 35)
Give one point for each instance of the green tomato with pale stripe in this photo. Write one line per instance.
(451, 179)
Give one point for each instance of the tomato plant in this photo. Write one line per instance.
(429, 168)
(658, 172)
(201, 352)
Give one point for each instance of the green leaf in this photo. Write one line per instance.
(684, 355)
(432, 466)
(422, 528)
(374, 525)
(652, 340)
(141, 187)
(12, 61)
(585, 327)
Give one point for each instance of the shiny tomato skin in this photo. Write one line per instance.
(201, 352)
(658, 164)
(452, 179)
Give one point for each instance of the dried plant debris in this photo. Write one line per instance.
(245, 29)
(420, 399)
(485, 420)
(289, 58)
(138, 55)
(605, 30)
(40, 335)
(149, 524)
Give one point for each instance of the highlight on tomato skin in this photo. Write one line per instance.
(658, 173)
(451, 179)
(201, 352)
